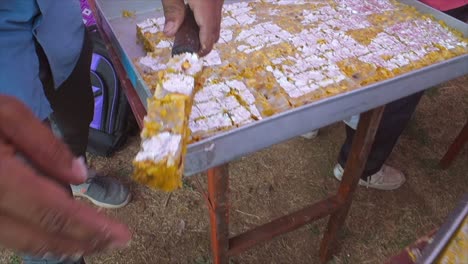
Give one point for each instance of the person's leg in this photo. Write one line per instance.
(394, 120)
(46, 78)
(73, 105)
(460, 13)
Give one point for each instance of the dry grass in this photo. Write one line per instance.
(290, 175)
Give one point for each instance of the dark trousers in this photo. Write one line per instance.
(460, 13)
(394, 120)
(73, 102)
(73, 106)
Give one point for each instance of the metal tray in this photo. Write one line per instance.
(224, 147)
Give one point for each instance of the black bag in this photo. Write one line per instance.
(109, 129)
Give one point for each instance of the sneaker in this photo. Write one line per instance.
(387, 178)
(310, 135)
(103, 191)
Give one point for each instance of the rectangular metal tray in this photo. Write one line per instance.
(233, 144)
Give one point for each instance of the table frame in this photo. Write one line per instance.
(336, 206)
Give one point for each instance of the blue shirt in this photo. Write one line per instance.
(57, 26)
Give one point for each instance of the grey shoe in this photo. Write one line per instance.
(103, 191)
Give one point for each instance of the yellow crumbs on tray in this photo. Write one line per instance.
(128, 14)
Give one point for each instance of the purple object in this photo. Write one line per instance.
(87, 14)
(101, 94)
(98, 104)
(99, 85)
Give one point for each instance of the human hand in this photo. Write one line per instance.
(37, 216)
(207, 14)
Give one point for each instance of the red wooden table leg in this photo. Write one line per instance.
(455, 148)
(218, 192)
(362, 143)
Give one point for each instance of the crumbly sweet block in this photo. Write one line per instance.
(160, 161)
(150, 33)
(221, 105)
(289, 53)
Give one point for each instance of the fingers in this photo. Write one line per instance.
(44, 206)
(28, 135)
(23, 238)
(208, 17)
(174, 13)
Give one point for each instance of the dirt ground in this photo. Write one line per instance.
(174, 228)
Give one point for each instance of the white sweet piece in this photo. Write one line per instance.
(247, 96)
(151, 25)
(310, 87)
(147, 23)
(262, 35)
(216, 90)
(236, 85)
(338, 78)
(315, 75)
(254, 49)
(245, 19)
(210, 108)
(242, 90)
(400, 60)
(225, 35)
(178, 62)
(228, 22)
(228, 103)
(254, 111)
(202, 96)
(241, 8)
(198, 126)
(218, 121)
(179, 83)
(151, 64)
(240, 115)
(212, 59)
(295, 93)
(242, 48)
(326, 82)
(195, 113)
(290, 2)
(159, 147)
(276, 61)
(164, 44)
(212, 123)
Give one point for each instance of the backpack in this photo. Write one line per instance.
(109, 129)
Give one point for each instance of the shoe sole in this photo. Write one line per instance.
(104, 205)
(338, 173)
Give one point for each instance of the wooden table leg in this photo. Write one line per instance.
(362, 143)
(455, 148)
(218, 193)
